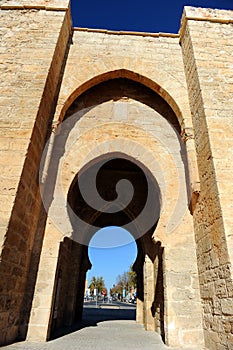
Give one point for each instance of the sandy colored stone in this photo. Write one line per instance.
(161, 101)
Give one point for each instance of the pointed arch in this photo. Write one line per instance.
(130, 75)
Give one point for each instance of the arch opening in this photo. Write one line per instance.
(74, 261)
(116, 209)
(111, 280)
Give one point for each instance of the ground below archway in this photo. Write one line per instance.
(103, 334)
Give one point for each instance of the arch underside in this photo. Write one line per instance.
(123, 88)
(131, 76)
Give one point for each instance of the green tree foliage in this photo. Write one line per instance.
(127, 281)
(132, 277)
(97, 283)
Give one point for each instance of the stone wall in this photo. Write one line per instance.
(208, 66)
(33, 46)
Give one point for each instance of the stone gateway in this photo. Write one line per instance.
(150, 116)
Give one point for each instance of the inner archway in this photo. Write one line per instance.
(112, 170)
(128, 205)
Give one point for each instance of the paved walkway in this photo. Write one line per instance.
(109, 335)
(99, 331)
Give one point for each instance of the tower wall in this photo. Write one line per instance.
(207, 44)
(34, 42)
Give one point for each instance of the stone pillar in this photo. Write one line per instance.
(206, 38)
(181, 325)
(158, 302)
(149, 290)
(41, 313)
(73, 287)
(139, 312)
(138, 268)
(192, 175)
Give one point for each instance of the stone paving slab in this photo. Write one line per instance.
(109, 335)
(100, 329)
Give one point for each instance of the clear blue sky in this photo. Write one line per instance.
(133, 15)
(111, 251)
(129, 15)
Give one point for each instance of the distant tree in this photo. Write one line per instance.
(97, 283)
(127, 281)
(132, 277)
